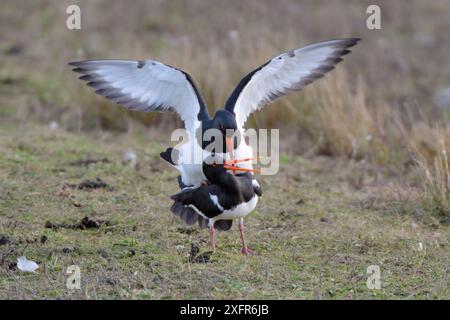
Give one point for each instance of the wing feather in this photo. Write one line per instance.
(145, 86)
(286, 73)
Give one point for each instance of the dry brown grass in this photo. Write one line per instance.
(435, 173)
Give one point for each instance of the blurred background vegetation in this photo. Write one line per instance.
(386, 104)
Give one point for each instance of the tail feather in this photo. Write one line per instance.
(186, 214)
(183, 197)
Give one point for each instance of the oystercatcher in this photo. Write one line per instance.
(227, 196)
(153, 86)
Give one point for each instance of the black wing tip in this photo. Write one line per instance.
(353, 42)
(80, 66)
(79, 70)
(78, 63)
(341, 49)
(87, 77)
(350, 42)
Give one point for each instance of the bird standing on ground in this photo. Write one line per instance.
(153, 86)
(228, 196)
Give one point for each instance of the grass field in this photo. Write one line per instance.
(364, 175)
(318, 226)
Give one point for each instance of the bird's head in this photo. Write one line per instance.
(225, 121)
(214, 168)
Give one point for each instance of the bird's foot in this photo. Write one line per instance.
(247, 251)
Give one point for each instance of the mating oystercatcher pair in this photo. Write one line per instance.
(153, 86)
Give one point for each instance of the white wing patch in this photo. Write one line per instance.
(215, 200)
(239, 211)
(143, 86)
(290, 71)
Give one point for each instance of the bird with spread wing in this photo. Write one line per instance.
(148, 85)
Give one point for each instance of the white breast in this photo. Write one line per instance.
(241, 210)
(244, 151)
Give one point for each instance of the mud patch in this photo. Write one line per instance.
(5, 240)
(194, 257)
(44, 239)
(7, 259)
(195, 249)
(90, 185)
(202, 258)
(85, 223)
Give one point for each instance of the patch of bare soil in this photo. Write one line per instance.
(85, 223)
(90, 185)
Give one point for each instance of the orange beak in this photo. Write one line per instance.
(229, 164)
(241, 160)
(229, 167)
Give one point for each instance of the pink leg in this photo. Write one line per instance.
(245, 250)
(211, 237)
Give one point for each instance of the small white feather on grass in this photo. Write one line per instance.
(26, 265)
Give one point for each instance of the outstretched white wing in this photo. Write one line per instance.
(145, 86)
(290, 71)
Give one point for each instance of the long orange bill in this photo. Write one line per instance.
(241, 160)
(226, 166)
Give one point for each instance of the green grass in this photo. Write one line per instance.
(313, 231)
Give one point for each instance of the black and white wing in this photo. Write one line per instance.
(145, 86)
(288, 72)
